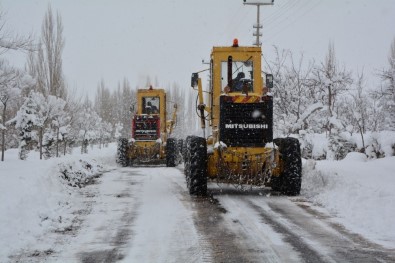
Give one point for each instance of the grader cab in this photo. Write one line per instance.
(150, 141)
(239, 147)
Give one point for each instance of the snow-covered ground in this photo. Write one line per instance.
(35, 199)
(358, 192)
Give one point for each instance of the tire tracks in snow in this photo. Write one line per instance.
(283, 229)
(108, 237)
(217, 239)
(203, 252)
(164, 228)
(260, 241)
(314, 236)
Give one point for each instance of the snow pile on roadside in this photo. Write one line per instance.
(357, 191)
(34, 199)
(377, 144)
(79, 172)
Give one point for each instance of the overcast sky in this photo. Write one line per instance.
(167, 39)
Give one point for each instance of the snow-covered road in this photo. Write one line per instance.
(146, 215)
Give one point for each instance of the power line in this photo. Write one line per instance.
(291, 21)
(278, 9)
(294, 8)
(280, 12)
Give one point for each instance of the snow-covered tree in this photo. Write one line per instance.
(13, 42)
(9, 90)
(127, 99)
(114, 107)
(331, 81)
(104, 133)
(12, 82)
(388, 90)
(26, 120)
(357, 109)
(118, 130)
(104, 103)
(376, 112)
(47, 110)
(46, 65)
(87, 123)
(176, 97)
(40, 114)
(294, 99)
(54, 116)
(62, 125)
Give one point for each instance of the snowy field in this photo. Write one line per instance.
(35, 197)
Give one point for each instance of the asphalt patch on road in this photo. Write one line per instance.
(224, 245)
(305, 252)
(104, 256)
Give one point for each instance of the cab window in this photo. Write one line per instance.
(237, 75)
(151, 105)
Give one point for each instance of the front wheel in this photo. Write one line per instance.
(290, 180)
(197, 166)
(171, 152)
(122, 150)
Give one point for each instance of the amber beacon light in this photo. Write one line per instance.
(235, 42)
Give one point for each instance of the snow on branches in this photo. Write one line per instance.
(37, 121)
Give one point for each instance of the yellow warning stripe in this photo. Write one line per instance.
(246, 99)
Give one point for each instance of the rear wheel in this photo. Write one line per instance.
(290, 180)
(122, 150)
(171, 152)
(197, 174)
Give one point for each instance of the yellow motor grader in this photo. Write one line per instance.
(150, 142)
(239, 147)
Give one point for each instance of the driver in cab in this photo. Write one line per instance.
(151, 109)
(238, 82)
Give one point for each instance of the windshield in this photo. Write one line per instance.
(150, 105)
(241, 75)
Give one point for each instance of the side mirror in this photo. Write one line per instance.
(131, 108)
(269, 81)
(194, 80)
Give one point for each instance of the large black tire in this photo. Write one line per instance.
(171, 152)
(122, 150)
(290, 181)
(186, 156)
(197, 174)
(185, 147)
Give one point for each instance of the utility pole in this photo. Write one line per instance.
(258, 26)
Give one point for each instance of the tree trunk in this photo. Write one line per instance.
(57, 142)
(330, 108)
(41, 142)
(361, 131)
(2, 144)
(363, 141)
(3, 134)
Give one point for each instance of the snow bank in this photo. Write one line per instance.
(79, 172)
(35, 198)
(357, 191)
(377, 144)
